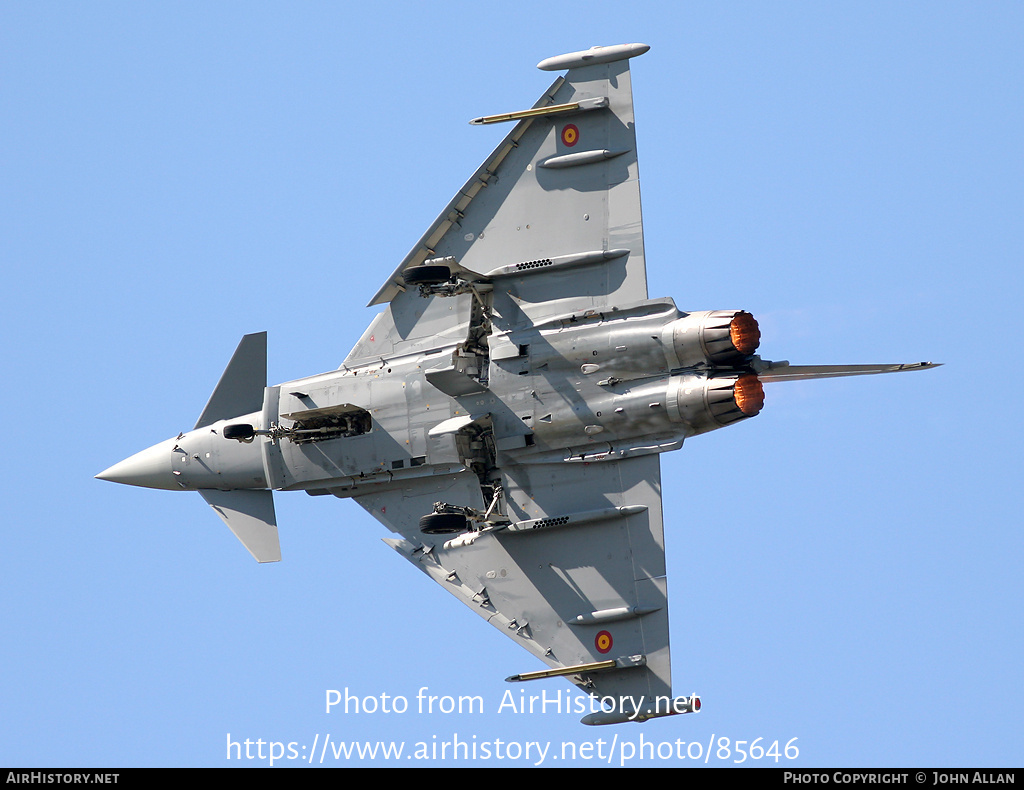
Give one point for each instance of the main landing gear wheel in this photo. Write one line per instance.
(443, 524)
(427, 275)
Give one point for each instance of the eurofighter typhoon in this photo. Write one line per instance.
(505, 413)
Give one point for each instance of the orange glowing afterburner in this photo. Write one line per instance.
(744, 333)
(749, 394)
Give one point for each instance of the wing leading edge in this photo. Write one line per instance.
(551, 218)
(577, 578)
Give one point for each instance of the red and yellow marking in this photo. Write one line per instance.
(603, 642)
(570, 135)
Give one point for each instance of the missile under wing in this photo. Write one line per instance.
(504, 413)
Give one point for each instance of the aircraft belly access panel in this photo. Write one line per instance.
(504, 413)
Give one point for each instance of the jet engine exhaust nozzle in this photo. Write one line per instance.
(721, 338)
(710, 402)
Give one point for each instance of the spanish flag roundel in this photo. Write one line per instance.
(603, 642)
(570, 134)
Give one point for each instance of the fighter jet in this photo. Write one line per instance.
(505, 412)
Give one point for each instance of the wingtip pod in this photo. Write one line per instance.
(588, 57)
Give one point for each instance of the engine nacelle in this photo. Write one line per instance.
(721, 338)
(709, 402)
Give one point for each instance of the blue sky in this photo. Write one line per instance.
(843, 570)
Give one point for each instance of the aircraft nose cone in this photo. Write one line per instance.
(150, 469)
